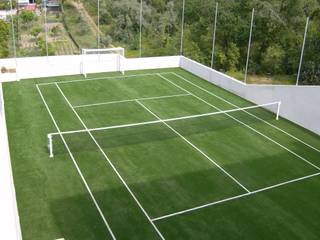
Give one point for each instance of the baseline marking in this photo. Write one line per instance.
(253, 115)
(111, 164)
(244, 124)
(131, 100)
(236, 197)
(195, 147)
(100, 78)
(76, 165)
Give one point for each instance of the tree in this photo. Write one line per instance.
(4, 37)
(273, 59)
(233, 56)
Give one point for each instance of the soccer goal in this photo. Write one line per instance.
(102, 60)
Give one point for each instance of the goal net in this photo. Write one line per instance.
(102, 60)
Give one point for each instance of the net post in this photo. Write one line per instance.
(278, 110)
(121, 61)
(50, 145)
(83, 52)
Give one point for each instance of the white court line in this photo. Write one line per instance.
(77, 167)
(195, 147)
(101, 78)
(244, 124)
(236, 197)
(160, 121)
(131, 100)
(251, 114)
(111, 164)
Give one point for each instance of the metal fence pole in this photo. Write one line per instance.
(14, 41)
(214, 35)
(46, 30)
(302, 51)
(182, 28)
(98, 25)
(140, 37)
(249, 46)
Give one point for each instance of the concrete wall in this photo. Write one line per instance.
(35, 67)
(300, 104)
(9, 218)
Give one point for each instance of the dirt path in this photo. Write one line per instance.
(79, 6)
(92, 24)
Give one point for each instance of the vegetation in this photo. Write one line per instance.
(77, 26)
(4, 38)
(276, 43)
(5, 4)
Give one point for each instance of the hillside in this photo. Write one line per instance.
(276, 44)
(276, 41)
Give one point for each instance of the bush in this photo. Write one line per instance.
(272, 60)
(35, 31)
(27, 16)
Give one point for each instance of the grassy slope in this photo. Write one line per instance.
(53, 202)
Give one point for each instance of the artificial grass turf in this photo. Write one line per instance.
(165, 173)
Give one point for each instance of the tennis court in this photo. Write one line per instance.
(166, 155)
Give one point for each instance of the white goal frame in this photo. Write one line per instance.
(119, 52)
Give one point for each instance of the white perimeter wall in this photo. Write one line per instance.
(300, 104)
(35, 67)
(9, 218)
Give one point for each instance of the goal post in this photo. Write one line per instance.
(102, 60)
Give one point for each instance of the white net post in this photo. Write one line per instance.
(121, 60)
(50, 147)
(82, 63)
(278, 110)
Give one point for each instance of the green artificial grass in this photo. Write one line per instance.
(166, 168)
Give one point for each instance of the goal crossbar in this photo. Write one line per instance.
(50, 135)
(95, 57)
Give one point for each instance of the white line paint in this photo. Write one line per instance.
(251, 114)
(111, 164)
(130, 100)
(244, 124)
(77, 167)
(196, 148)
(160, 121)
(235, 197)
(101, 78)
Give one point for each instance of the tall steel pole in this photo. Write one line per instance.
(182, 27)
(14, 41)
(302, 51)
(98, 25)
(249, 46)
(46, 29)
(140, 37)
(214, 35)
